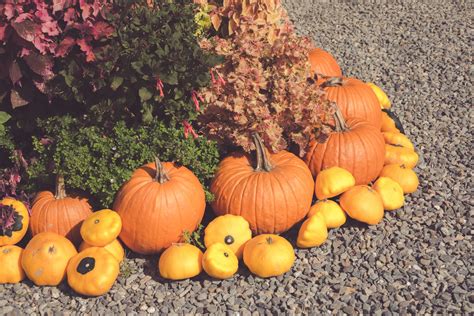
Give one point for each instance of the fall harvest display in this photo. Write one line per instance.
(288, 128)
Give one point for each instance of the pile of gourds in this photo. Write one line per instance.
(361, 169)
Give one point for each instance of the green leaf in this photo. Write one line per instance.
(116, 83)
(4, 117)
(144, 94)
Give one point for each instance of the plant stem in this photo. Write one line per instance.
(161, 176)
(263, 162)
(333, 82)
(60, 192)
(341, 125)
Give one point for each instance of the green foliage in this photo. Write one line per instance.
(6, 142)
(196, 237)
(99, 160)
(149, 68)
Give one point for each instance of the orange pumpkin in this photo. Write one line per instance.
(398, 139)
(354, 98)
(355, 145)
(388, 125)
(323, 64)
(157, 204)
(403, 175)
(272, 196)
(59, 213)
(14, 220)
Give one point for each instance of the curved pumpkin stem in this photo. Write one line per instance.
(263, 163)
(333, 82)
(341, 125)
(60, 192)
(161, 176)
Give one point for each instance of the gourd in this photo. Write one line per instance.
(180, 261)
(333, 181)
(219, 261)
(157, 205)
(101, 228)
(381, 96)
(354, 98)
(59, 213)
(396, 154)
(231, 230)
(92, 272)
(115, 248)
(268, 255)
(14, 220)
(363, 203)
(398, 139)
(354, 145)
(403, 175)
(313, 232)
(45, 258)
(390, 192)
(272, 195)
(391, 122)
(333, 214)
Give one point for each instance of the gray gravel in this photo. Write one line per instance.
(419, 259)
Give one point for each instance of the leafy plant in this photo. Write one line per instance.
(35, 32)
(196, 237)
(151, 68)
(99, 160)
(263, 87)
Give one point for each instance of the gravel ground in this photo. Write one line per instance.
(419, 259)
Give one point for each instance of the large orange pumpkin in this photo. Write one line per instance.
(272, 196)
(59, 213)
(354, 98)
(323, 64)
(157, 205)
(355, 145)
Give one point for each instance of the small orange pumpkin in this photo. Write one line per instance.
(45, 258)
(403, 175)
(354, 98)
(323, 64)
(10, 263)
(180, 261)
(219, 261)
(59, 213)
(363, 203)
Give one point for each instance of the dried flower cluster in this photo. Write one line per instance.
(265, 89)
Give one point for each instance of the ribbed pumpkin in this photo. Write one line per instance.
(59, 213)
(354, 145)
(272, 196)
(323, 64)
(157, 204)
(354, 98)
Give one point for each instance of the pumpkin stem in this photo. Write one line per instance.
(269, 240)
(263, 163)
(341, 125)
(333, 82)
(161, 176)
(60, 192)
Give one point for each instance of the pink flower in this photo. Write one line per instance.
(195, 96)
(189, 129)
(87, 49)
(159, 86)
